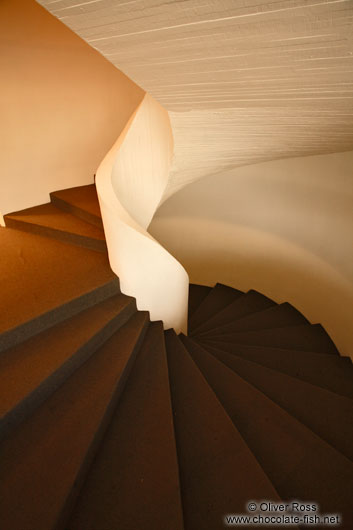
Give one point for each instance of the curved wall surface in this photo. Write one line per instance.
(130, 183)
(244, 81)
(284, 228)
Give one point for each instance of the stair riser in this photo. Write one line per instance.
(310, 338)
(87, 431)
(251, 302)
(326, 371)
(136, 471)
(66, 237)
(42, 392)
(59, 314)
(77, 212)
(98, 438)
(197, 294)
(294, 395)
(298, 462)
(217, 299)
(259, 320)
(218, 473)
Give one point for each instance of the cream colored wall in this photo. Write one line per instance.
(62, 106)
(244, 81)
(130, 183)
(284, 228)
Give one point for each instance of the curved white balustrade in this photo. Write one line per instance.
(130, 184)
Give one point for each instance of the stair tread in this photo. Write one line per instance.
(80, 200)
(333, 372)
(307, 337)
(40, 274)
(276, 316)
(218, 472)
(47, 220)
(32, 370)
(197, 293)
(327, 414)
(50, 216)
(218, 298)
(298, 462)
(134, 480)
(246, 303)
(43, 462)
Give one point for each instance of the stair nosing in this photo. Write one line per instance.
(61, 312)
(221, 328)
(91, 243)
(77, 211)
(276, 404)
(51, 382)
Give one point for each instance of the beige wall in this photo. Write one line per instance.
(130, 182)
(284, 228)
(245, 81)
(62, 106)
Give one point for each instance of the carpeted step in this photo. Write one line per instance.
(305, 337)
(197, 293)
(82, 202)
(47, 220)
(34, 369)
(332, 372)
(134, 481)
(47, 281)
(277, 316)
(44, 461)
(245, 304)
(327, 414)
(216, 300)
(218, 472)
(299, 463)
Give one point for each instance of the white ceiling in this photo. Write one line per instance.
(244, 80)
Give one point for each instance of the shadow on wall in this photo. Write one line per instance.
(249, 259)
(63, 106)
(307, 200)
(284, 229)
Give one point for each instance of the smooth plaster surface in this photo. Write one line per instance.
(244, 80)
(283, 227)
(62, 106)
(130, 183)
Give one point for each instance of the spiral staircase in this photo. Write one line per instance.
(108, 422)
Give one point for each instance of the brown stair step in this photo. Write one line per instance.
(133, 483)
(327, 414)
(276, 316)
(245, 304)
(81, 201)
(218, 472)
(44, 461)
(34, 369)
(218, 298)
(307, 337)
(333, 372)
(299, 463)
(197, 293)
(45, 281)
(47, 220)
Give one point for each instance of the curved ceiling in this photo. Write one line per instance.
(244, 81)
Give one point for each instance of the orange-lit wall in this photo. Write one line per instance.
(62, 106)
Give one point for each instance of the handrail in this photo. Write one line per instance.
(130, 184)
